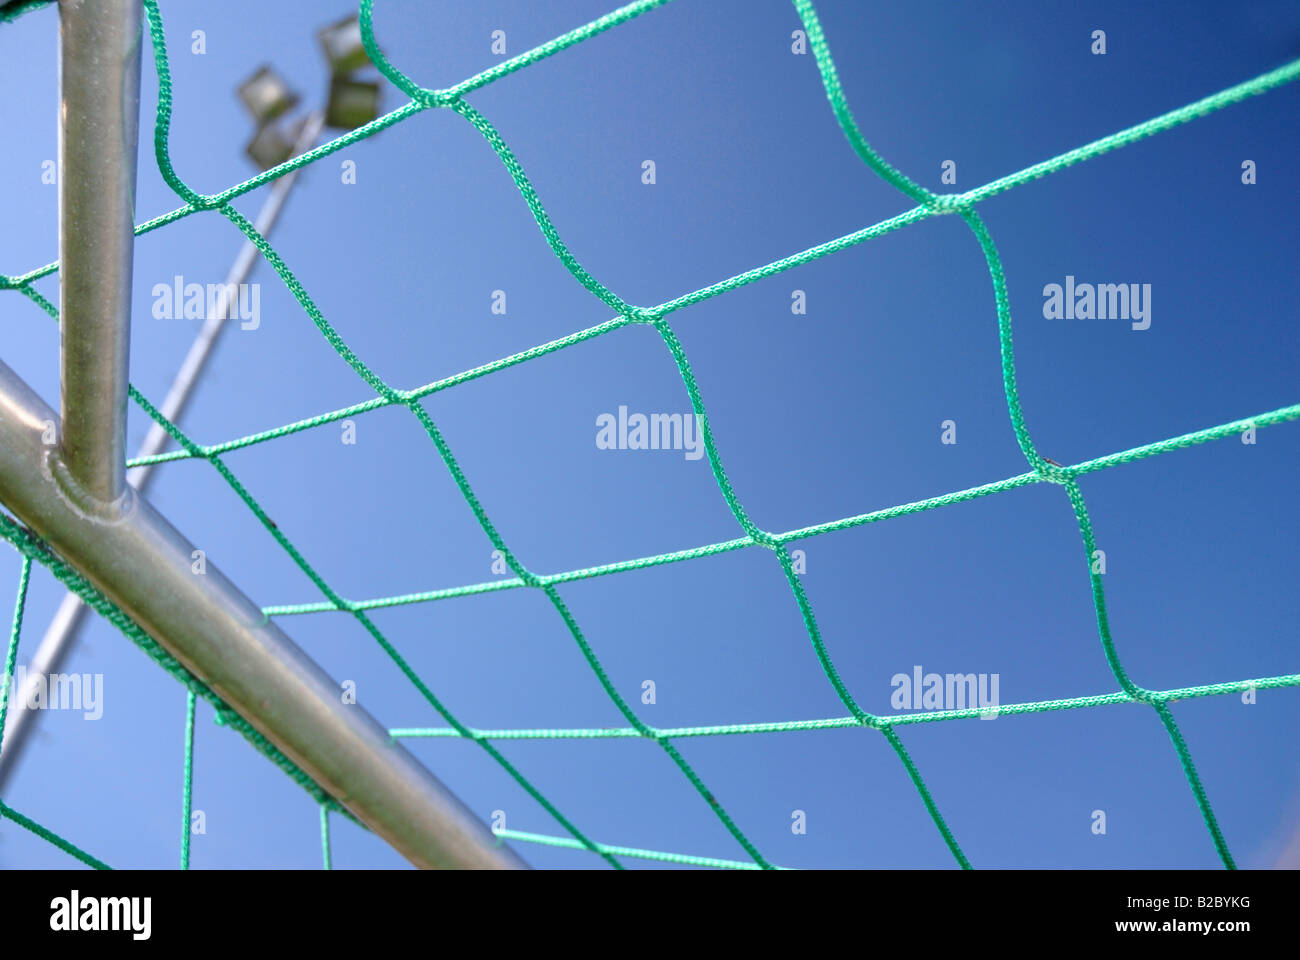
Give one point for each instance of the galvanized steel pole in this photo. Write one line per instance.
(99, 94)
(61, 635)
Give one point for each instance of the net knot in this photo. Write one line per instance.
(435, 98)
(948, 202)
(1149, 697)
(200, 201)
(643, 315)
(1051, 471)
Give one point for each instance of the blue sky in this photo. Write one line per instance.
(819, 416)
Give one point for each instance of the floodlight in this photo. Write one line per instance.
(272, 144)
(343, 47)
(352, 103)
(266, 95)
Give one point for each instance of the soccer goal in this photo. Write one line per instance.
(458, 487)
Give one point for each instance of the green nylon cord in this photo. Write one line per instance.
(6, 689)
(169, 174)
(325, 837)
(187, 788)
(1250, 88)
(1057, 474)
(840, 106)
(14, 9)
(15, 631)
(930, 204)
(681, 858)
(1036, 462)
(834, 723)
(1194, 781)
(801, 598)
(9, 813)
(1234, 428)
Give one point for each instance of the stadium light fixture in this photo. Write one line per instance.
(343, 48)
(352, 103)
(266, 96)
(273, 144)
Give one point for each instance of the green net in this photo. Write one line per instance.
(928, 205)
